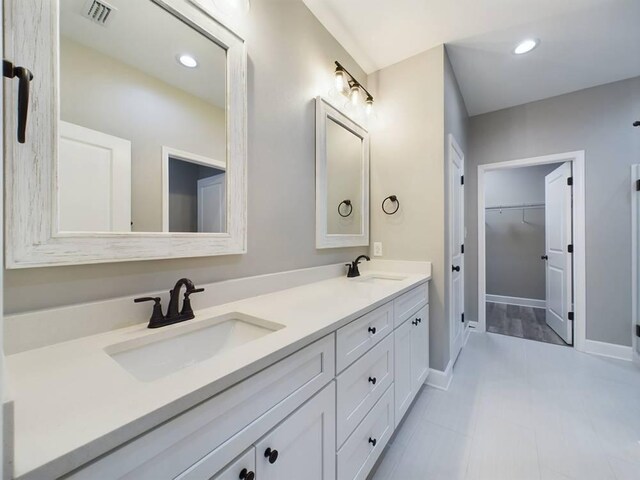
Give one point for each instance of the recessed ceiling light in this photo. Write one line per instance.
(187, 61)
(526, 46)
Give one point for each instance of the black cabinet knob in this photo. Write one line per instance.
(247, 475)
(373, 380)
(455, 268)
(372, 330)
(373, 441)
(271, 455)
(544, 257)
(414, 322)
(419, 320)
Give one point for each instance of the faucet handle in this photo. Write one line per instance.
(147, 299)
(157, 318)
(194, 290)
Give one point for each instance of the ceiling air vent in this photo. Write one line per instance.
(99, 12)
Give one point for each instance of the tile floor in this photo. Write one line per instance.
(523, 322)
(518, 410)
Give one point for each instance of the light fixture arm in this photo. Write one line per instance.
(352, 80)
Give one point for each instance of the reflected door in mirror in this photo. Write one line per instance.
(134, 83)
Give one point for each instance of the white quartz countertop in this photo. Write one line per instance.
(73, 402)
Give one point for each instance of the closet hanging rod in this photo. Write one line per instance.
(516, 207)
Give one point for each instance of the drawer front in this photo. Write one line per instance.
(210, 435)
(358, 455)
(361, 385)
(357, 338)
(239, 468)
(409, 302)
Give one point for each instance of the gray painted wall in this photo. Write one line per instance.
(514, 247)
(290, 61)
(420, 103)
(597, 120)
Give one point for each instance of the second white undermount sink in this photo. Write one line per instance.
(379, 278)
(157, 355)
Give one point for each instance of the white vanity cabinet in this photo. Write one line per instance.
(303, 445)
(325, 412)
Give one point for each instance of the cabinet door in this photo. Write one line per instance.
(402, 366)
(244, 467)
(419, 323)
(303, 445)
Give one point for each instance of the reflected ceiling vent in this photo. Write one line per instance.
(99, 12)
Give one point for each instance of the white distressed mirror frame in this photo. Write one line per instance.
(31, 228)
(325, 111)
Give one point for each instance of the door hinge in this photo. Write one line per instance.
(462, 180)
(462, 248)
(638, 185)
(570, 248)
(571, 316)
(637, 330)
(462, 318)
(570, 181)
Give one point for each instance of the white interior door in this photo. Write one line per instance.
(212, 211)
(94, 181)
(456, 247)
(558, 238)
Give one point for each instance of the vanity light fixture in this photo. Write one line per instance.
(187, 61)
(526, 46)
(355, 87)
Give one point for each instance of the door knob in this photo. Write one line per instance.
(544, 257)
(455, 268)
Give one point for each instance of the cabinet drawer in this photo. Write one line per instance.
(361, 385)
(241, 466)
(409, 302)
(355, 339)
(358, 455)
(204, 439)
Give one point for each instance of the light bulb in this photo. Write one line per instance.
(340, 80)
(355, 94)
(369, 107)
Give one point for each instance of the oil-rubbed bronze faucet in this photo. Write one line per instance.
(353, 266)
(173, 315)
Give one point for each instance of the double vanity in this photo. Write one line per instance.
(312, 379)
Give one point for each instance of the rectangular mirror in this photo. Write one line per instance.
(342, 179)
(142, 121)
(143, 151)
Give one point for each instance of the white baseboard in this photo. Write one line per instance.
(611, 350)
(521, 302)
(439, 379)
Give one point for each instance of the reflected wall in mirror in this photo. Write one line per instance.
(342, 179)
(139, 88)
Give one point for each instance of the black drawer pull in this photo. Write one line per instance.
(247, 475)
(373, 380)
(271, 455)
(373, 441)
(372, 330)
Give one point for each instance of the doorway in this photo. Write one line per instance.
(531, 265)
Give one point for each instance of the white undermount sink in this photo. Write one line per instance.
(157, 355)
(378, 278)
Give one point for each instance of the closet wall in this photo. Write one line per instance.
(515, 240)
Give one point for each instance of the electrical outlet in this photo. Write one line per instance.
(377, 249)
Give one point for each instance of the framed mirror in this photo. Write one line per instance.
(137, 143)
(342, 179)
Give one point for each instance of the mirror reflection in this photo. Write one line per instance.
(142, 133)
(344, 180)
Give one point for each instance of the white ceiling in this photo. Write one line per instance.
(145, 36)
(583, 42)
